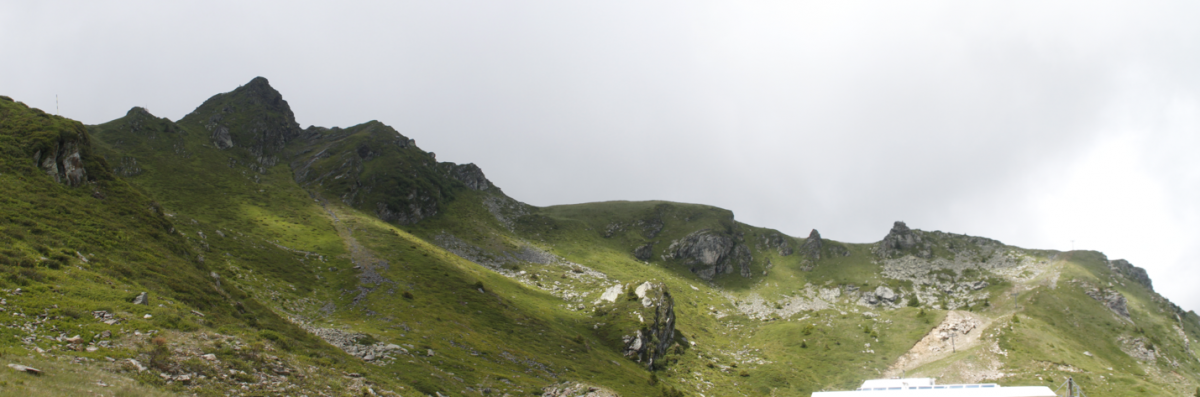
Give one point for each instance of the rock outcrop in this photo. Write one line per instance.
(649, 343)
(776, 241)
(812, 246)
(881, 294)
(711, 253)
(470, 175)
(901, 239)
(1129, 271)
(1138, 348)
(645, 252)
(355, 344)
(63, 161)
(1111, 299)
(59, 147)
(576, 389)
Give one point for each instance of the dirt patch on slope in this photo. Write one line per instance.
(959, 331)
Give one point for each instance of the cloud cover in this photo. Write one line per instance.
(1041, 124)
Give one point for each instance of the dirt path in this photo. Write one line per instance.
(365, 261)
(965, 327)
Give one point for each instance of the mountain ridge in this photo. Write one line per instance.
(353, 250)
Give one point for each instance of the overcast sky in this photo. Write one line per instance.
(1040, 124)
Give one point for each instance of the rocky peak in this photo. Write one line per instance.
(137, 111)
(254, 117)
(901, 238)
(812, 246)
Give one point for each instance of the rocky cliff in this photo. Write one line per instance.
(60, 147)
(649, 343)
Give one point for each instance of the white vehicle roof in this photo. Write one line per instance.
(925, 387)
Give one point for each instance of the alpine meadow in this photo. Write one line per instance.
(232, 252)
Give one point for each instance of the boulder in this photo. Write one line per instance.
(885, 294)
(611, 294)
(644, 253)
(22, 368)
(142, 299)
(710, 253)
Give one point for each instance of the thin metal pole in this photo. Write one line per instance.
(1070, 387)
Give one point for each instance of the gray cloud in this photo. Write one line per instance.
(992, 119)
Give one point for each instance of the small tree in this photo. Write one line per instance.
(913, 302)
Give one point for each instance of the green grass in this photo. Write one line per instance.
(285, 244)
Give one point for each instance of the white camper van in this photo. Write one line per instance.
(925, 387)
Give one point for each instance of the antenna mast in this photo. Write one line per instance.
(56, 104)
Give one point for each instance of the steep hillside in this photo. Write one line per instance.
(316, 237)
(330, 261)
(97, 274)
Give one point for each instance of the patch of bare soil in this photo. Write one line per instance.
(959, 331)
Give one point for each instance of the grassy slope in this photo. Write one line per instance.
(576, 232)
(768, 352)
(284, 246)
(130, 246)
(510, 338)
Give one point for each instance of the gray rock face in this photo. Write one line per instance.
(776, 241)
(470, 175)
(644, 252)
(1129, 271)
(1111, 299)
(220, 137)
(710, 253)
(62, 161)
(901, 238)
(142, 299)
(812, 246)
(648, 344)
